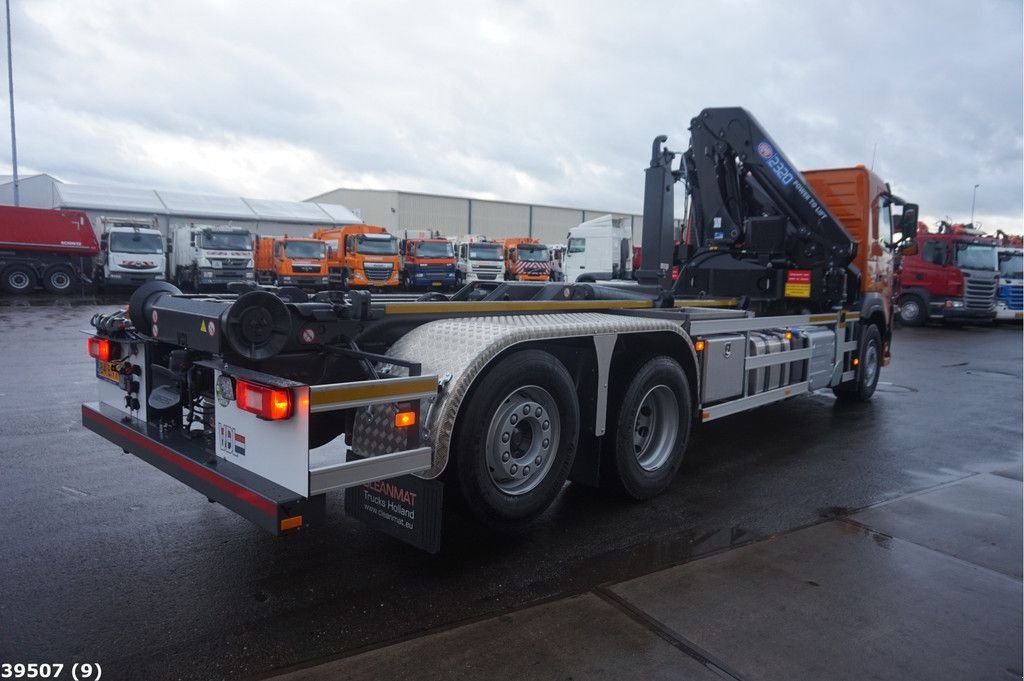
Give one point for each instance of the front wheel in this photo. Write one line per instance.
(865, 380)
(913, 311)
(650, 431)
(517, 439)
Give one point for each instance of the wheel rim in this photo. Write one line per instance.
(60, 280)
(870, 365)
(522, 440)
(18, 280)
(655, 426)
(910, 310)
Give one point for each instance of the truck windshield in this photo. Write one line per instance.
(228, 241)
(135, 242)
(434, 249)
(305, 249)
(533, 254)
(577, 246)
(1011, 265)
(370, 246)
(976, 257)
(484, 252)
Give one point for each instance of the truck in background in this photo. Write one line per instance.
(556, 258)
(600, 249)
(204, 256)
(1010, 298)
(526, 259)
(953, 276)
(291, 261)
(55, 248)
(364, 256)
(479, 260)
(131, 252)
(428, 261)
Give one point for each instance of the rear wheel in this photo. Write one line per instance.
(863, 385)
(58, 279)
(650, 431)
(19, 279)
(517, 439)
(913, 311)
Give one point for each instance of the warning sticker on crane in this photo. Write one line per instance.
(798, 284)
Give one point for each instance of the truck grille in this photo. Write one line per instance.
(306, 269)
(1013, 296)
(232, 262)
(437, 270)
(486, 273)
(378, 271)
(979, 294)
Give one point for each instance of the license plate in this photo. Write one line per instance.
(107, 372)
(437, 283)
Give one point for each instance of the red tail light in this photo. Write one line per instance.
(99, 348)
(272, 404)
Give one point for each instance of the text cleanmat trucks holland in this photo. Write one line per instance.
(502, 391)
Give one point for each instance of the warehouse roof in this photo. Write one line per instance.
(215, 206)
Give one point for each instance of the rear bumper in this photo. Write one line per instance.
(255, 498)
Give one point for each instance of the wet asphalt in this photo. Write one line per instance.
(106, 559)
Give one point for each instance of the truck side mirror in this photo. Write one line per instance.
(908, 222)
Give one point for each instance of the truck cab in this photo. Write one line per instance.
(131, 252)
(479, 260)
(209, 256)
(526, 260)
(1010, 300)
(364, 256)
(428, 263)
(291, 261)
(952, 277)
(601, 249)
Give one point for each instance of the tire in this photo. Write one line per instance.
(407, 281)
(913, 310)
(863, 385)
(197, 281)
(344, 281)
(58, 279)
(18, 279)
(510, 465)
(649, 432)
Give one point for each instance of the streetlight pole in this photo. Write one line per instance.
(973, 197)
(10, 92)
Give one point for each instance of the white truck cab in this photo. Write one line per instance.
(204, 256)
(131, 252)
(601, 248)
(479, 260)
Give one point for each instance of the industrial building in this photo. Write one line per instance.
(171, 208)
(452, 215)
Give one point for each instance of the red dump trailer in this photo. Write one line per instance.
(54, 248)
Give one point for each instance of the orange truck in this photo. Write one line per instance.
(291, 261)
(526, 259)
(362, 256)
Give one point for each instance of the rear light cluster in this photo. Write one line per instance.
(100, 348)
(272, 404)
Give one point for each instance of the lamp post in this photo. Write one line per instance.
(10, 92)
(973, 197)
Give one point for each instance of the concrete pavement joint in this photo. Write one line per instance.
(671, 637)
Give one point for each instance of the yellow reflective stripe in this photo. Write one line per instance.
(515, 306)
(826, 318)
(720, 302)
(359, 392)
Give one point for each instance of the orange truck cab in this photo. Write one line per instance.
(428, 263)
(291, 261)
(863, 203)
(362, 256)
(526, 259)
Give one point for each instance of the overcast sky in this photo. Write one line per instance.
(549, 102)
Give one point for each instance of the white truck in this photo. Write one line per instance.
(131, 252)
(206, 256)
(503, 391)
(479, 260)
(599, 249)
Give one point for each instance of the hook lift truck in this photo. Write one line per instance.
(502, 391)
